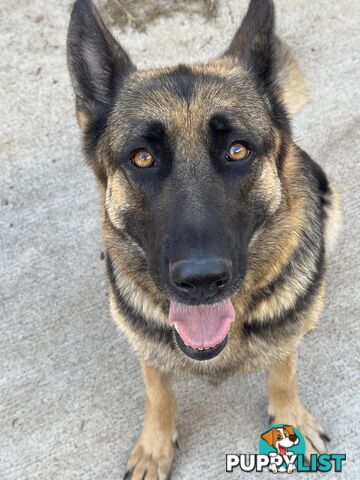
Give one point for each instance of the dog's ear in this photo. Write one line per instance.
(256, 45)
(97, 63)
(289, 429)
(269, 436)
(254, 42)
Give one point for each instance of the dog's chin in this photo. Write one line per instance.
(200, 354)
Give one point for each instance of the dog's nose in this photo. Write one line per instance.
(200, 279)
(292, 438)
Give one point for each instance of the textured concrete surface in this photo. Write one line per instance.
(71, 398)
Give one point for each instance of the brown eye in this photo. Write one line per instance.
(143, 159)
(237, 151)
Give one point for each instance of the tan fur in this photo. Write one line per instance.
(153, 453)
(333, 211)
(283, 234)
(285, 405)
(117, 198)
(82, 119)
(291, 80)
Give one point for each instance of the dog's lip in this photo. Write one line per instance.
(200, 354)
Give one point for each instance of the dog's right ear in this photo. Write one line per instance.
(97, 63)
(269, 436)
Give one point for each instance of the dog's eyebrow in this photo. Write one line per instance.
(146, 134)
(153, 131)
(220, 123)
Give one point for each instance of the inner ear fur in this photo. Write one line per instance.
(96, 61)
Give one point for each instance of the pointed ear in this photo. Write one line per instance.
(97, 63)
(269, 436)
(254, 42)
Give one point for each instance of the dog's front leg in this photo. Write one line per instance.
(153, 453)
(285, 406)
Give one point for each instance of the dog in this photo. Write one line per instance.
(217, 225)
(281, 439)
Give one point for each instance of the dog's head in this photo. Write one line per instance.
(281, 438)
(189, 159)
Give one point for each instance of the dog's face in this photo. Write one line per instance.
(281, 438)
(193, 175)
(190, 160)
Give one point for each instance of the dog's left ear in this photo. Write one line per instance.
(270, 60)
(289, 429)
(254, 43)
(97, 63)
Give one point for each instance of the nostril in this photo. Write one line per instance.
(185, 286)
(221, 280)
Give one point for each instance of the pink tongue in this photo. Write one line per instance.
(282, 450)
(202, 326)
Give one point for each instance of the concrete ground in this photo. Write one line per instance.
(71, 397)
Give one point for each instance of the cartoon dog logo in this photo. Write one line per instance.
(281, 439)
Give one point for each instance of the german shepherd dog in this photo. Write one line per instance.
(216, 224)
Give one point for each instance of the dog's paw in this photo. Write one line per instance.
(313, 433)
(273, 468)
(151, 457)
(291, 468)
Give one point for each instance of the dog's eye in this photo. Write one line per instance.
(237, 152)
(142, 159)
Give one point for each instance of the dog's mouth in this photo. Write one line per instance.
(200, 354)
(282, 450)
(201, 331)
